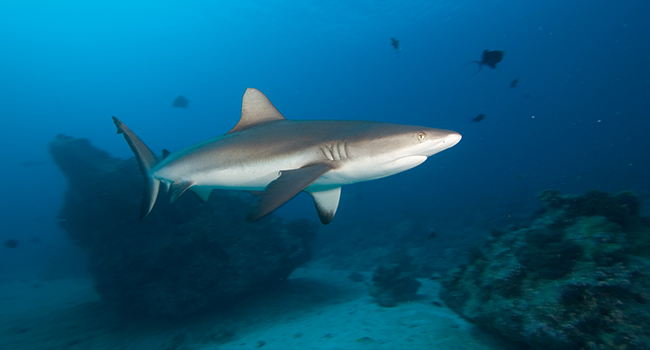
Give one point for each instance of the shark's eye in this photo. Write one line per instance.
(422, 136)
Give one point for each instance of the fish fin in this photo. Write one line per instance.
(480, 66)
(178, 188)
(202, 192)
(285, 187)
(326, 203)
(146, 161)
(151, 189)
(166, 153)
(256, 109)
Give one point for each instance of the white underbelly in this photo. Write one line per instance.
(237, 179)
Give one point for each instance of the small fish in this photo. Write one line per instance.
(478, 118)
(395, 43)
(180, 102)
(365, 340)
(11, 243)
(489, 58)
(432, 234)
(514, 83)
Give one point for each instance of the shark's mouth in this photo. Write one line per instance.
(405, 163)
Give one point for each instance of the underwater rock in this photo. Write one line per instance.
(576, 278)
(184, 258)
(394, 282)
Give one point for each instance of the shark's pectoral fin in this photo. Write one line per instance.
(178, 188)
(285, 187)
(326, 203)
(203, 193)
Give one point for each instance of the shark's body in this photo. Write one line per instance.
(266, 152)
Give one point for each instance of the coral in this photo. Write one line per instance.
(184, 258)
(394, 282)
(573, 279)
(622, 208)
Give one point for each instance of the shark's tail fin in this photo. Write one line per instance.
(146, 160)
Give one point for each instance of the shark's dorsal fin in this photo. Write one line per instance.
(255, 109)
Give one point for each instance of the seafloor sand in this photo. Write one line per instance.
(318, 309)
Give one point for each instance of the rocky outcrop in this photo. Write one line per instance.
(576, 278)
(184, 258)
(394, 282)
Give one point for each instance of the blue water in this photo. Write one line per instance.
(578, 120)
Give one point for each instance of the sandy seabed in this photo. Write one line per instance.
(318, 308)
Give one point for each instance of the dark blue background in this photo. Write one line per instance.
(578, 120)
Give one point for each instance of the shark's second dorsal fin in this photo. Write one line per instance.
(255, 109)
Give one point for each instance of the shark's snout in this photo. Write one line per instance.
(452, 139)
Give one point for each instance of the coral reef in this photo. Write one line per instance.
(184, 258)
(394, 282)
(575, 278)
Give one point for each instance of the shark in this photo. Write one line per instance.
(278, 158)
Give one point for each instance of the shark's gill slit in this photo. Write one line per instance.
(327, 152)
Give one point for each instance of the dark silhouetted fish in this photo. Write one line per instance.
(489, 58)
(478, 118)
(11, 243)
(514, 83)
(395, 43)
(180, 102)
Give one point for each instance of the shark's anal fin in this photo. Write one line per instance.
(326, 203)
(146, 160)
(178, 188)
(285, 187)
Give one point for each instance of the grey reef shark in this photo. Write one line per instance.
(280, 157)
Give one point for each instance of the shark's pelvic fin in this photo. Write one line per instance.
(285, 187)
(146, 160)
(326, 203)
(256, 108)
